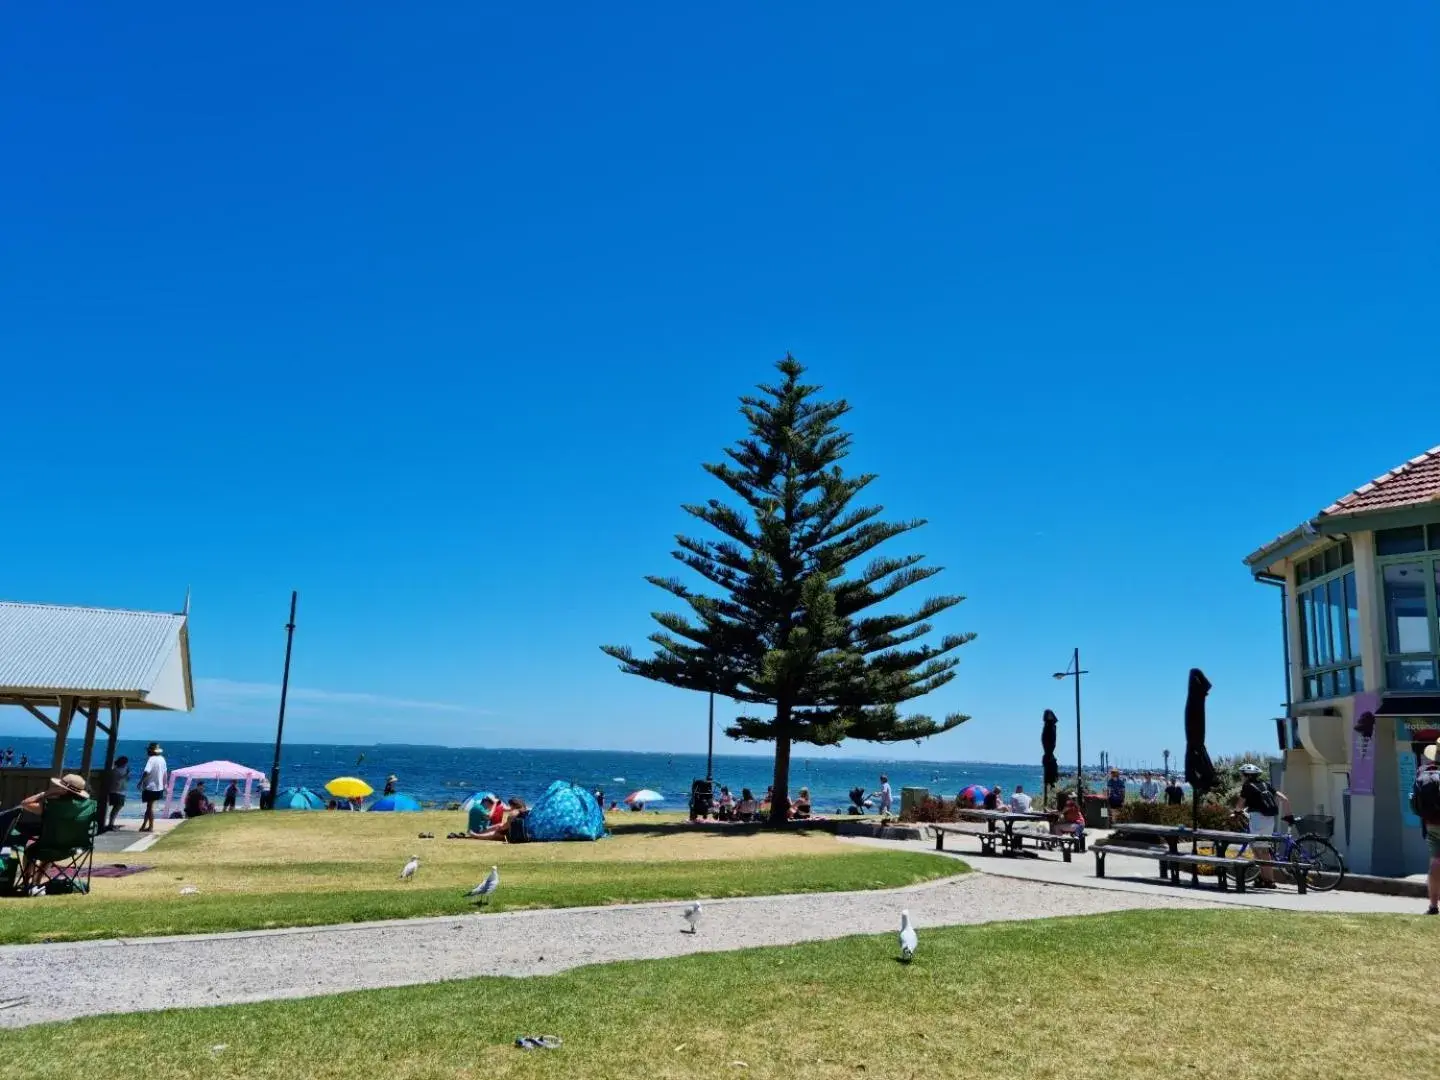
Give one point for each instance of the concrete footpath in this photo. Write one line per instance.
(64, 981)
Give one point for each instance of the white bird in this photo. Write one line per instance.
(488, 886)
(408, 870)
(188, 890)
(908, 940)
(692, 916)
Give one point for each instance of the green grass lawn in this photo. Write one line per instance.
(1213, 995)
(255, 871)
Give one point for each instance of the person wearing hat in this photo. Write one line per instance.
(69, 786)
(152, 784)
(1425, 801)
(390, 782)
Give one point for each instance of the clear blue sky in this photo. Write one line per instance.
(433, 315)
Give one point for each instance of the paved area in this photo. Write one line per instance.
(1139, 877)
(63, 981)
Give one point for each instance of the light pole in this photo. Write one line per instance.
(1074, 671)
(1167, 765)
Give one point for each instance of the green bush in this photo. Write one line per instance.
(1213, 815)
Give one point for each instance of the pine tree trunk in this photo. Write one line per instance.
(780, 796)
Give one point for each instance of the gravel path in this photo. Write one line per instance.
(64, 981)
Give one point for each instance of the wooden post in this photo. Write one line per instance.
(114, 734)
(62, 732)
(88, 750)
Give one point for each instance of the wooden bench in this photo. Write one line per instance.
(1068, 843)
(1171, 862)
(989, 838)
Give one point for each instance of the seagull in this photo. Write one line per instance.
(488, 886)
(908, 941)
(408, 871)
(692, 916)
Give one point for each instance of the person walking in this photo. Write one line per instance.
(1115, 790)
(231, 793)
(1425, 801)
(1261, 804)
(1149, 789)
(119, 782)
(884, 794)
(153, 779)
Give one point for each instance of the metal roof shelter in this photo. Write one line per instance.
(80, 660)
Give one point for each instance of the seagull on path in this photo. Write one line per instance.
(408, 870)
(488, 886)
(692, 916)
(908, 941)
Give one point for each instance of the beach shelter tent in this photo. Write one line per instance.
(298, 798)
(474, 798)
(396, 802)
(565, 812)
(217, 775)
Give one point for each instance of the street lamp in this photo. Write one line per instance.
(1074, 671)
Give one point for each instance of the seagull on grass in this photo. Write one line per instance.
(408, 870)
(692, 916)
(488, 886)
(909, 942)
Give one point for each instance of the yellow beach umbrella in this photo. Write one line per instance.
(348, 787)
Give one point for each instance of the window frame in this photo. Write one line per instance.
(1321, 682)
(1429, 561)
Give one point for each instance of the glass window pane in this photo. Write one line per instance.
(1332, 558)
(1407, 622)
(1312, 653)
(1352, 618)
(1302, 573)
(1435, 537)
(1339, 621)
(1342, 682)
(1347, 553)
(1317, 566)
(1357, 679)
(1400, 541)
(1327, 684)
(1411, 674)
(1323, 653)
(1312, 688)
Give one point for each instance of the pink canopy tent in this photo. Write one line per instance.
(216, 774)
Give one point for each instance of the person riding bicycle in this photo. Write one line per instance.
(1261, 804)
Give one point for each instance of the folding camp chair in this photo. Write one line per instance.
(61, 857)
(9, 855)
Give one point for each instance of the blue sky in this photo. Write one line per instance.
(433, 315)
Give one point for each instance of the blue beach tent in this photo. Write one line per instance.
(565, 812)
(298, 798)
(404, 803)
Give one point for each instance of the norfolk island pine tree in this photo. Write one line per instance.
(788, 618)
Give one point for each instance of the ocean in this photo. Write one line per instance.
(440, 775)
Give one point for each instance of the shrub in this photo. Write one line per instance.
(1213, 815)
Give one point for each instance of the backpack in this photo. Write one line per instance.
(1425, 796)
(1266, 803)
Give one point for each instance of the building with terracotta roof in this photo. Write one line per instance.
(1360, 582)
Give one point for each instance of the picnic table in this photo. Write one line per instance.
(999, 835)
(1172, 859)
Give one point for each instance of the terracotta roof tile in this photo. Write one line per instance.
(1412, 484)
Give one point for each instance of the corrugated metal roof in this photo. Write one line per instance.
(81, 650)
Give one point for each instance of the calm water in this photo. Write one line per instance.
(441, 775)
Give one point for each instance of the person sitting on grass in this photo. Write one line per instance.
(511, 829)
(802, 804)
(746, 809)
(725, 808)
(196, 804)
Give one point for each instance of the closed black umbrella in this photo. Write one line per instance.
(1199, 769)
(1047, 744)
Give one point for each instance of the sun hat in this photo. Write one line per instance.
(71, 783)
(1432, 752)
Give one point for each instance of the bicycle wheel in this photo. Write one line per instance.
(1327, 868)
